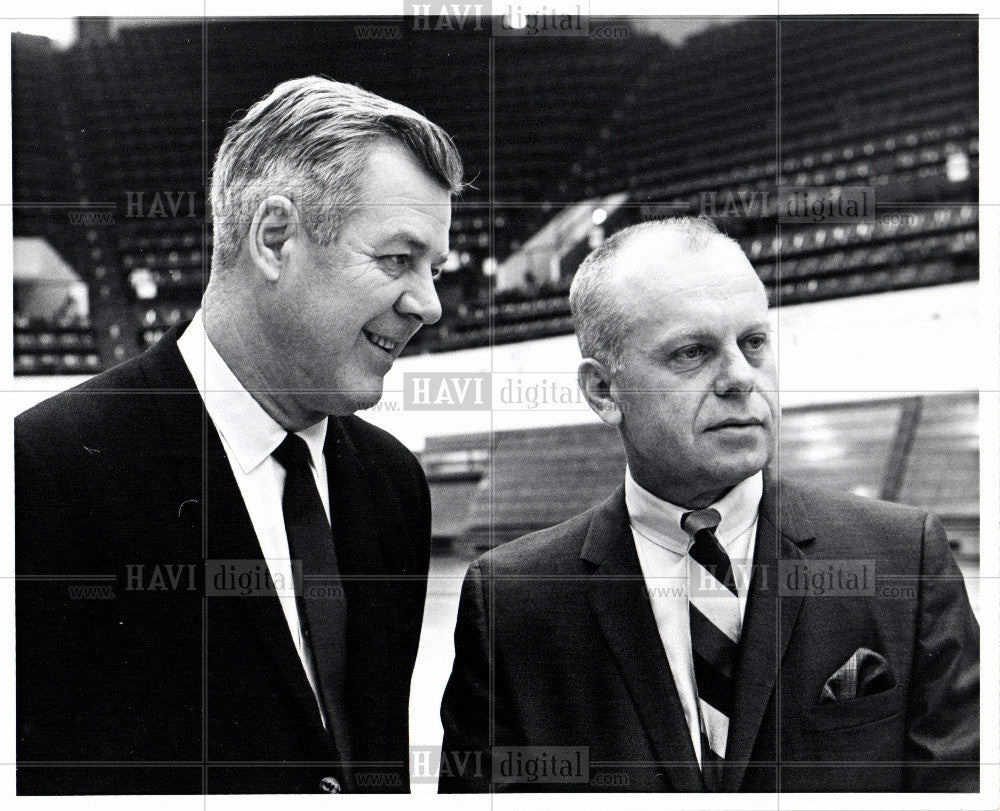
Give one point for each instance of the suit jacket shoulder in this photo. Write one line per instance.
(845, 525)
(828, 509)
(95, 407)
(551, 550)
(378, 449)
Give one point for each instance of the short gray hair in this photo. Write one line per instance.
(309, 139)
(599, 318)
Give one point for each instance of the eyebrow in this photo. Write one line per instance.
(680, 339)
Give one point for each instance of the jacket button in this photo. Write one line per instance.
(331, 785)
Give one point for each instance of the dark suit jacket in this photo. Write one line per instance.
(556, 645)
(158, 689)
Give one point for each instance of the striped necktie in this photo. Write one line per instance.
(714, 609)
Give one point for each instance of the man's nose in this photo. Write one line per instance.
(736, 375)
(420, 299)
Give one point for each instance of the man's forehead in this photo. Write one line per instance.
(398, 199)
(662, 262)
(392, 174)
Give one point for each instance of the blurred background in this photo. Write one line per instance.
(566, 139)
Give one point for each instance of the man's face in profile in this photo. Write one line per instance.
(344, 312)
(697, 390)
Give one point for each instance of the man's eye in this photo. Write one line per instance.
(755, 342)
(688, 356)
(396, 264)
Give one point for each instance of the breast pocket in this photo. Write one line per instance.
(869, 728)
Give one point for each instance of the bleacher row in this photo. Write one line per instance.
(912, 248)
(855, 77)
(133, 122)
(52, 348)
(488, 489)
(894, 158)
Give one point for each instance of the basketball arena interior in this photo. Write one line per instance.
(565, 140)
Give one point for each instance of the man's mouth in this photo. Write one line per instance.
(381, 341)
(736, 423)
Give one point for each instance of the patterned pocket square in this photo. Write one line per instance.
(865, 673)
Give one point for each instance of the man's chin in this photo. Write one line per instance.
(729, 473)
(735, 474)
(363, 400)
(350, 402)
(366, 402)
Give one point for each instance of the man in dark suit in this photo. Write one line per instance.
(221, 570)
(709, 627)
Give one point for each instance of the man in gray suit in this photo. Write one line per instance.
(710, 627)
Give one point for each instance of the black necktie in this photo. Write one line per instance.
(714, 610)
(321, 601)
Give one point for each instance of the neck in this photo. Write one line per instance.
(688, 498)
(230, 329)
(697, 501)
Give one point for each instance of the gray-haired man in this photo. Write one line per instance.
(209, 475)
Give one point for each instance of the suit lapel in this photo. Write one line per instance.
(210, 492)
(620, 602)
(781, 528)
(361, 522)
(365, 517)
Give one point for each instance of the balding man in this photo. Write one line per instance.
(264, 551)
(676, 637)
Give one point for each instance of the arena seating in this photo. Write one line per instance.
(133, 123)
(841, 83)
(684, 139)
(946, 438)
(455, 466)
(841, 448)
(910, 248)
(66, 346)
(527, 486)
(892, 449)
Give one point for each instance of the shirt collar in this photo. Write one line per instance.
(659, 521)
(251, 433)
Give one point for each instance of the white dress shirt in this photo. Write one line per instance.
(662, 548)
(249, 435)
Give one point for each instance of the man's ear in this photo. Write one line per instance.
(274, 223)
(595, 383)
